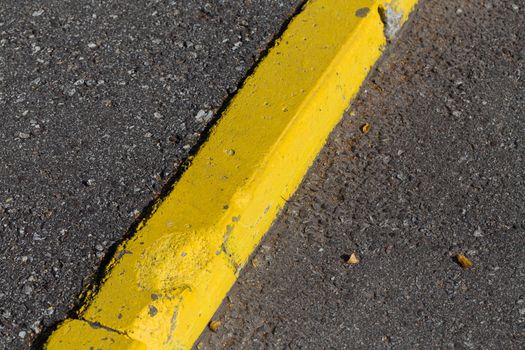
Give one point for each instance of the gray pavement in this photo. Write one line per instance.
(441, 172)
(100, 101)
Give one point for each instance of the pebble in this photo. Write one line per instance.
(36, 327)
(38, 13)
(69, 91)
(27, 289)
(203, 116)
(236, 45)
(23, 135)
(37, 237)
(478, 233)
(157, 115)
(22, 334)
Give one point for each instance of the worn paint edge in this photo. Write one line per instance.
(164, 283)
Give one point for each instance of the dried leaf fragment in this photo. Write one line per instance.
(214, 325)
(365, 128)
(463, 261)
(353, 259)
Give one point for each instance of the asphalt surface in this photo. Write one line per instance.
(441, 172)
(100, 101)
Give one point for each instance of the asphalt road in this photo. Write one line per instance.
(441, 172)
(100, 101)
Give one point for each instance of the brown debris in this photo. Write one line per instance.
(463, 261)
(353, 259)
(365, 128)
(214, 325)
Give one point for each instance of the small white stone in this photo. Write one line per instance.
(203, 116)
(478, 233)
(92, 45)
(22, 334)
(36, 327)
(157, 115)
(36, 81)
(37, 237)
(38, 13)
(27, 290)
(69, 91)
(236, 45)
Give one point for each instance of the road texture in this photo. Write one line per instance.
(440, 172)
(100, 101)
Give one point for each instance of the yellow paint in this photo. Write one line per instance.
(165, 283)
(80, 335)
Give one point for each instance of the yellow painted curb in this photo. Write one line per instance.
(164, 284)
